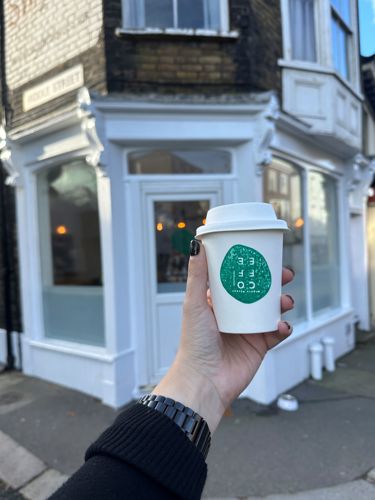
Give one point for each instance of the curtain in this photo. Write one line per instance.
(302, 29)
(212, 14)
(134, 13)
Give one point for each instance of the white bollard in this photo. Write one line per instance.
(329, 355)
(316, 360)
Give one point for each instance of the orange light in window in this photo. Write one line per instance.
(62, 230)
(299, 223)
(159, 226)
(181, 225)
(204, 222)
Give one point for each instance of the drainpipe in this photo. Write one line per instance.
(329, 356)
(316, 365)
(4, 223)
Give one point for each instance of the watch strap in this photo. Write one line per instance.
(192, 425)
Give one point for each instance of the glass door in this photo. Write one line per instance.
(172, 223)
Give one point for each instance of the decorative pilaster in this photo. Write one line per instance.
(86, 113)
(14, 178)
(266, 133)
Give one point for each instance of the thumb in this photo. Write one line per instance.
(196, 288)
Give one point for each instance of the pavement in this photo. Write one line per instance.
(323, 451)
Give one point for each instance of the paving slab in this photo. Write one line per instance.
(44, 485)
(17, 465)
(358, 490)
(7, 493)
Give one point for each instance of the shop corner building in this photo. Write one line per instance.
(128, 124)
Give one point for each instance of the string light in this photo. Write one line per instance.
(159, 226)
(299, 223)
(62, 230)
(181, 225)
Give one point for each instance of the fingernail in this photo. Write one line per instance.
(194, 248)
(291, 269)
(289, 326)
(290, 297)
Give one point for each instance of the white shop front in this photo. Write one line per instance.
(109, 194)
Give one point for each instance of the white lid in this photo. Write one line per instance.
(241, 217)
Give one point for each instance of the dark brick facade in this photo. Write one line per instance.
(165, 64)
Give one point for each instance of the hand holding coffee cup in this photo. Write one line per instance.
(212, 368)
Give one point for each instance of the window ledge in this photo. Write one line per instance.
(176, 32)
(317, 68)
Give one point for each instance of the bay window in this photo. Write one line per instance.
(72, 291)
(177, 14)
(283, 189)
(341, 36)
(302, 30)
(308, 203)
(325, 260)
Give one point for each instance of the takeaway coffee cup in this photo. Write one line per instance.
(243, 244)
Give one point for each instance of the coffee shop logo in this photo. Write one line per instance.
(245, 274)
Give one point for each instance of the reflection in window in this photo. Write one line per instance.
(194, 14)
(325, 262)
(283, 189)
(70, 253)
(179, 162)
(302, 29)
(341, 34)
(175, 226)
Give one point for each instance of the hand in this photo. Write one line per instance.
(211, 368)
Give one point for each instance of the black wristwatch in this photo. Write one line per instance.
(192, 425)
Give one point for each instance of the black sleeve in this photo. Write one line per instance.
(143, 455)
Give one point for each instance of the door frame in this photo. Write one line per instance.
(218, 192)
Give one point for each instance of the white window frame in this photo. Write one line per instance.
(349, 34)
(174, 30)
(324, 51)
(344, 293)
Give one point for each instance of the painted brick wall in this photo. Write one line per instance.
(43, 38)
(198, 65)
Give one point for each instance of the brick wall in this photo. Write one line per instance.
(43, 38)
(160, 64)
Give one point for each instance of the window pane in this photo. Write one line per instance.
(339, 48)
(190, 14)
(302, 26)
(325, 262)
(283, 188)
(159, 13)
(70, 253)
(175, 226)
(343, 9)
(179, 162)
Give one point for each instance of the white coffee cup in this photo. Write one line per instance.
(243, 244)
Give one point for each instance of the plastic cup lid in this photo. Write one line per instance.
(241, 217)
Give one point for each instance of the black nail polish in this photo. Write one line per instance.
(194, 248)
(290, 297)
(291, 270)
(288, 325)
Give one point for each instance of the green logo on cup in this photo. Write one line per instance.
(245, 274)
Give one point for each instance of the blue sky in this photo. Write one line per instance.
(367, 26)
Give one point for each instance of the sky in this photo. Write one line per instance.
(367, 26)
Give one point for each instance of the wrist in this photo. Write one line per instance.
(188, 386)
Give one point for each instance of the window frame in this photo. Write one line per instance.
(348, 32)
(324, 49)
(174, 30)
(305, 169)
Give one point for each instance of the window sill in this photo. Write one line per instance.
(318, 68)
(176, 33)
